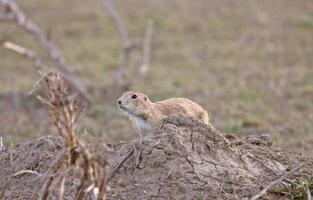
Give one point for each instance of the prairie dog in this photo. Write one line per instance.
(144, 114)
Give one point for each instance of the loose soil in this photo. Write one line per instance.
(181, 159)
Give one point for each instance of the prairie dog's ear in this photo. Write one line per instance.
(145, 98)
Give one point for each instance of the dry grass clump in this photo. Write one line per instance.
(65, 111)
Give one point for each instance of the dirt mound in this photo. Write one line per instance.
(182, 159)
(36, 156)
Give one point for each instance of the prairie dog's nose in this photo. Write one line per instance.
(119, 102)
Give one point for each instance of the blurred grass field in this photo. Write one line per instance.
(249, 63)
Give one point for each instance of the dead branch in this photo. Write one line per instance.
(13, 10)
(273, 183)
(26, 172)
(120, 76)
(65, 111)
(2, 148)
(146, 48)
(49, 175)
(119, 164)
(38, 64)
(62, 186)
(308, 193)
(118, 23)
(122, 80)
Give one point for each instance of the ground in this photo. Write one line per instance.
(249, 63)
(181, 159)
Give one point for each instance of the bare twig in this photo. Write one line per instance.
(308, 193)
(62, 183)
(26, 172)
(2, 148)
(62, 187)
(81, 192)
(26, 53)
(38, 82)
(56, 56)
(273, 183)
(120, 79)
(119, 164)
(50, 175)
(118, 22)
(146, 48)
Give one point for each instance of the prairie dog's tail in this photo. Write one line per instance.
(205, 117)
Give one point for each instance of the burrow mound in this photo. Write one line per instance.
(182, 159)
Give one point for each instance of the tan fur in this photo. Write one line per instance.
(144, 114)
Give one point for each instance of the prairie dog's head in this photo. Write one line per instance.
(133, 102)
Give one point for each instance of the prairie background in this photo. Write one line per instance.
(249, 63)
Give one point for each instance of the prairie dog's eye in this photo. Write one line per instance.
(134, 96)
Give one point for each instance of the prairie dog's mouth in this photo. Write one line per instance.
(122, 107)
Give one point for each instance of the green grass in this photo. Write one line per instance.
(250, 95)
(298, 192)
(305, 22)
(232, 125)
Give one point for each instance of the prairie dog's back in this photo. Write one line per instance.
(182, 105)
